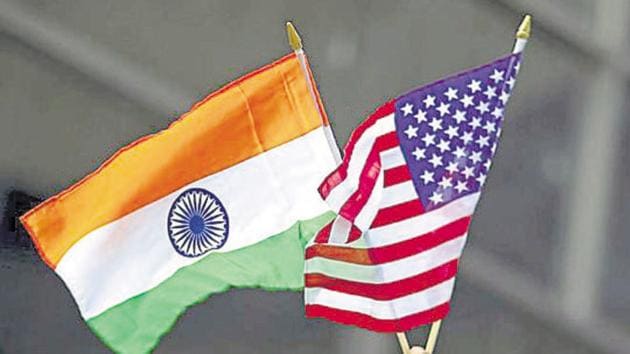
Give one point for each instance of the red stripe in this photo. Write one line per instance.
(389, 253)
(369, 175)
(367, 180)
(387, 141)
(396, 175)
(324, 234)
(340, 174)
(385, 291)
(374, 324)
(355, 234)
(398, 212)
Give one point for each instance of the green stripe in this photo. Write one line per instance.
(277, 263)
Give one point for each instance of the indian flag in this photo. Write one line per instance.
(225, 197)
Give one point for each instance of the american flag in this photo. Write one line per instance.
(405, 193)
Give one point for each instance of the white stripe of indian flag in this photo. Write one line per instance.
(262, 196)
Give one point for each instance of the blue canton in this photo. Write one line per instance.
(448, 130)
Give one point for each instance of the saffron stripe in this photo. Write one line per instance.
(213, 136)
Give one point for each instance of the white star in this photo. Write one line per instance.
(497, 76)
(444, 109)
(436, 198)
(429, 101)
(461, 187)
(474, 86)
(459, 116)
(517, 67)
(452, 167)
(469, 171)
(428, 139)
(411, 132)
(451, 131)
(511, 81)
(436, 124)
(467, 101)
(446, 182)
(467, 137)
(481, 179)
(407, 109)
(487, 164)
(459, 152)
(427, 177)
(475, 157)
(418, 153)
(444, 145)
(483, 141)
(490, 92)
(451, 93)
(497, 112)
(420, 116)
(504, 97)
(490, 127)
(475, 123)
(436, 161)
(483, 107)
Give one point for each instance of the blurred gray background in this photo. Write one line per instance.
(545, 270)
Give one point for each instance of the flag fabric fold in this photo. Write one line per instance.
(405, 193)
(225, 197)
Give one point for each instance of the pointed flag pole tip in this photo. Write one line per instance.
(525, 29)
(294, 38)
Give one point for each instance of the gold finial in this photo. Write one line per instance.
(525, 29)
(294, 37)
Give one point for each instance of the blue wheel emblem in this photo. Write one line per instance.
(197, 223)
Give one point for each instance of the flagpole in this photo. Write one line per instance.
(433, 336)
(296, 44)
(522, 35)
(404, 344)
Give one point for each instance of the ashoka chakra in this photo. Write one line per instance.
(197, 223)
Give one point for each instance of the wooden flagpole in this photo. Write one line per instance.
(522, 35)
(404, 344)
(433, 336)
